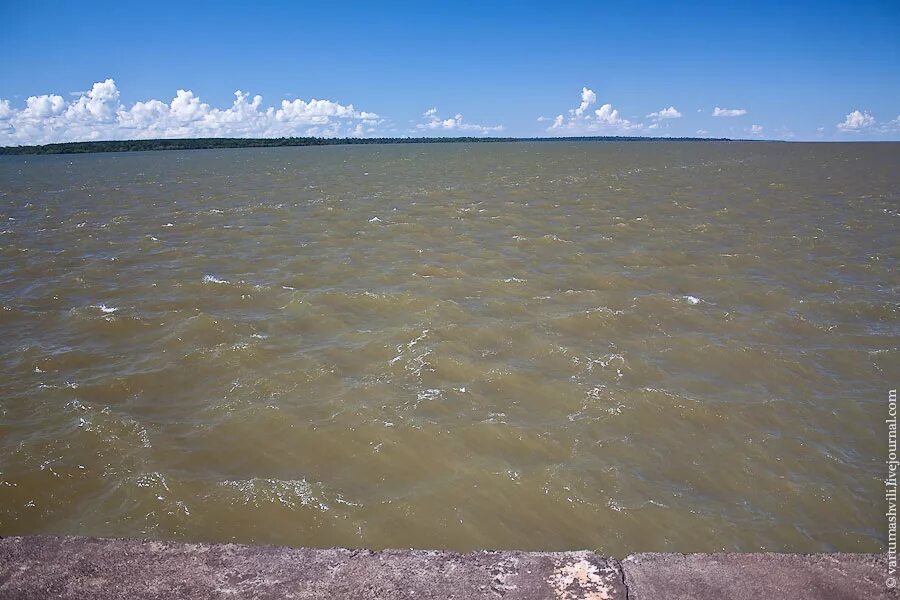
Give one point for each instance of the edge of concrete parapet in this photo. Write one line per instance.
(756, 576)
(105, 569)
(39, 567)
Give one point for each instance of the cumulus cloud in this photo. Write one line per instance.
(434, 123)
(100, 104)
(98, 114)
(756, 129)
(729, 112)
(588, 98)
(665, 113)
(603, 119)
(6, 111)
(607, 115)
(856, 121)
(38, 107)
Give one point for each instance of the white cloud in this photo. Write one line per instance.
(99, 114)
(100, 104)
(856, 121)
(756, 129)
(702, 132)
(588, 98)
(603, 119)
(186, 107)
(435, 123)
(729, 112)
(892, 126)
(665, 113)
(39, 107)
(608, 115)
(6, 111)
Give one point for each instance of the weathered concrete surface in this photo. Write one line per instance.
(41, 567)
(97, 569)
(756, 576)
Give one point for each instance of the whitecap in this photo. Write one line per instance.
(692, 300)
(145, 438)
(213, 279)
(105, 308)
(429, 394)
(555, 238)
(291, 493)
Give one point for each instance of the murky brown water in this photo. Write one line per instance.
(646, 346)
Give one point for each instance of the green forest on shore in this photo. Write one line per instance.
(215, 143)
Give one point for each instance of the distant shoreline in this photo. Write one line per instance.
(218, 143)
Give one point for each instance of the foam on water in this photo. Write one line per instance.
(104, 308)
(429, 394)
(213, 279)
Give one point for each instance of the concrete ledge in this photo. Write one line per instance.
(755, 576)
(81, 568)
(43, 567)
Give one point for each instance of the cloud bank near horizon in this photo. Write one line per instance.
(98, 114)
(434, 123)
(729, 112)
(580, 120)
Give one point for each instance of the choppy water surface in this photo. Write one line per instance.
(646, 346)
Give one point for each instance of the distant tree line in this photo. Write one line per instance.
(213, 143)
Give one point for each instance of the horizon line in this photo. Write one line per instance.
(215, 143)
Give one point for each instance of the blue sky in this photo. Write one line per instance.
(784, 70)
